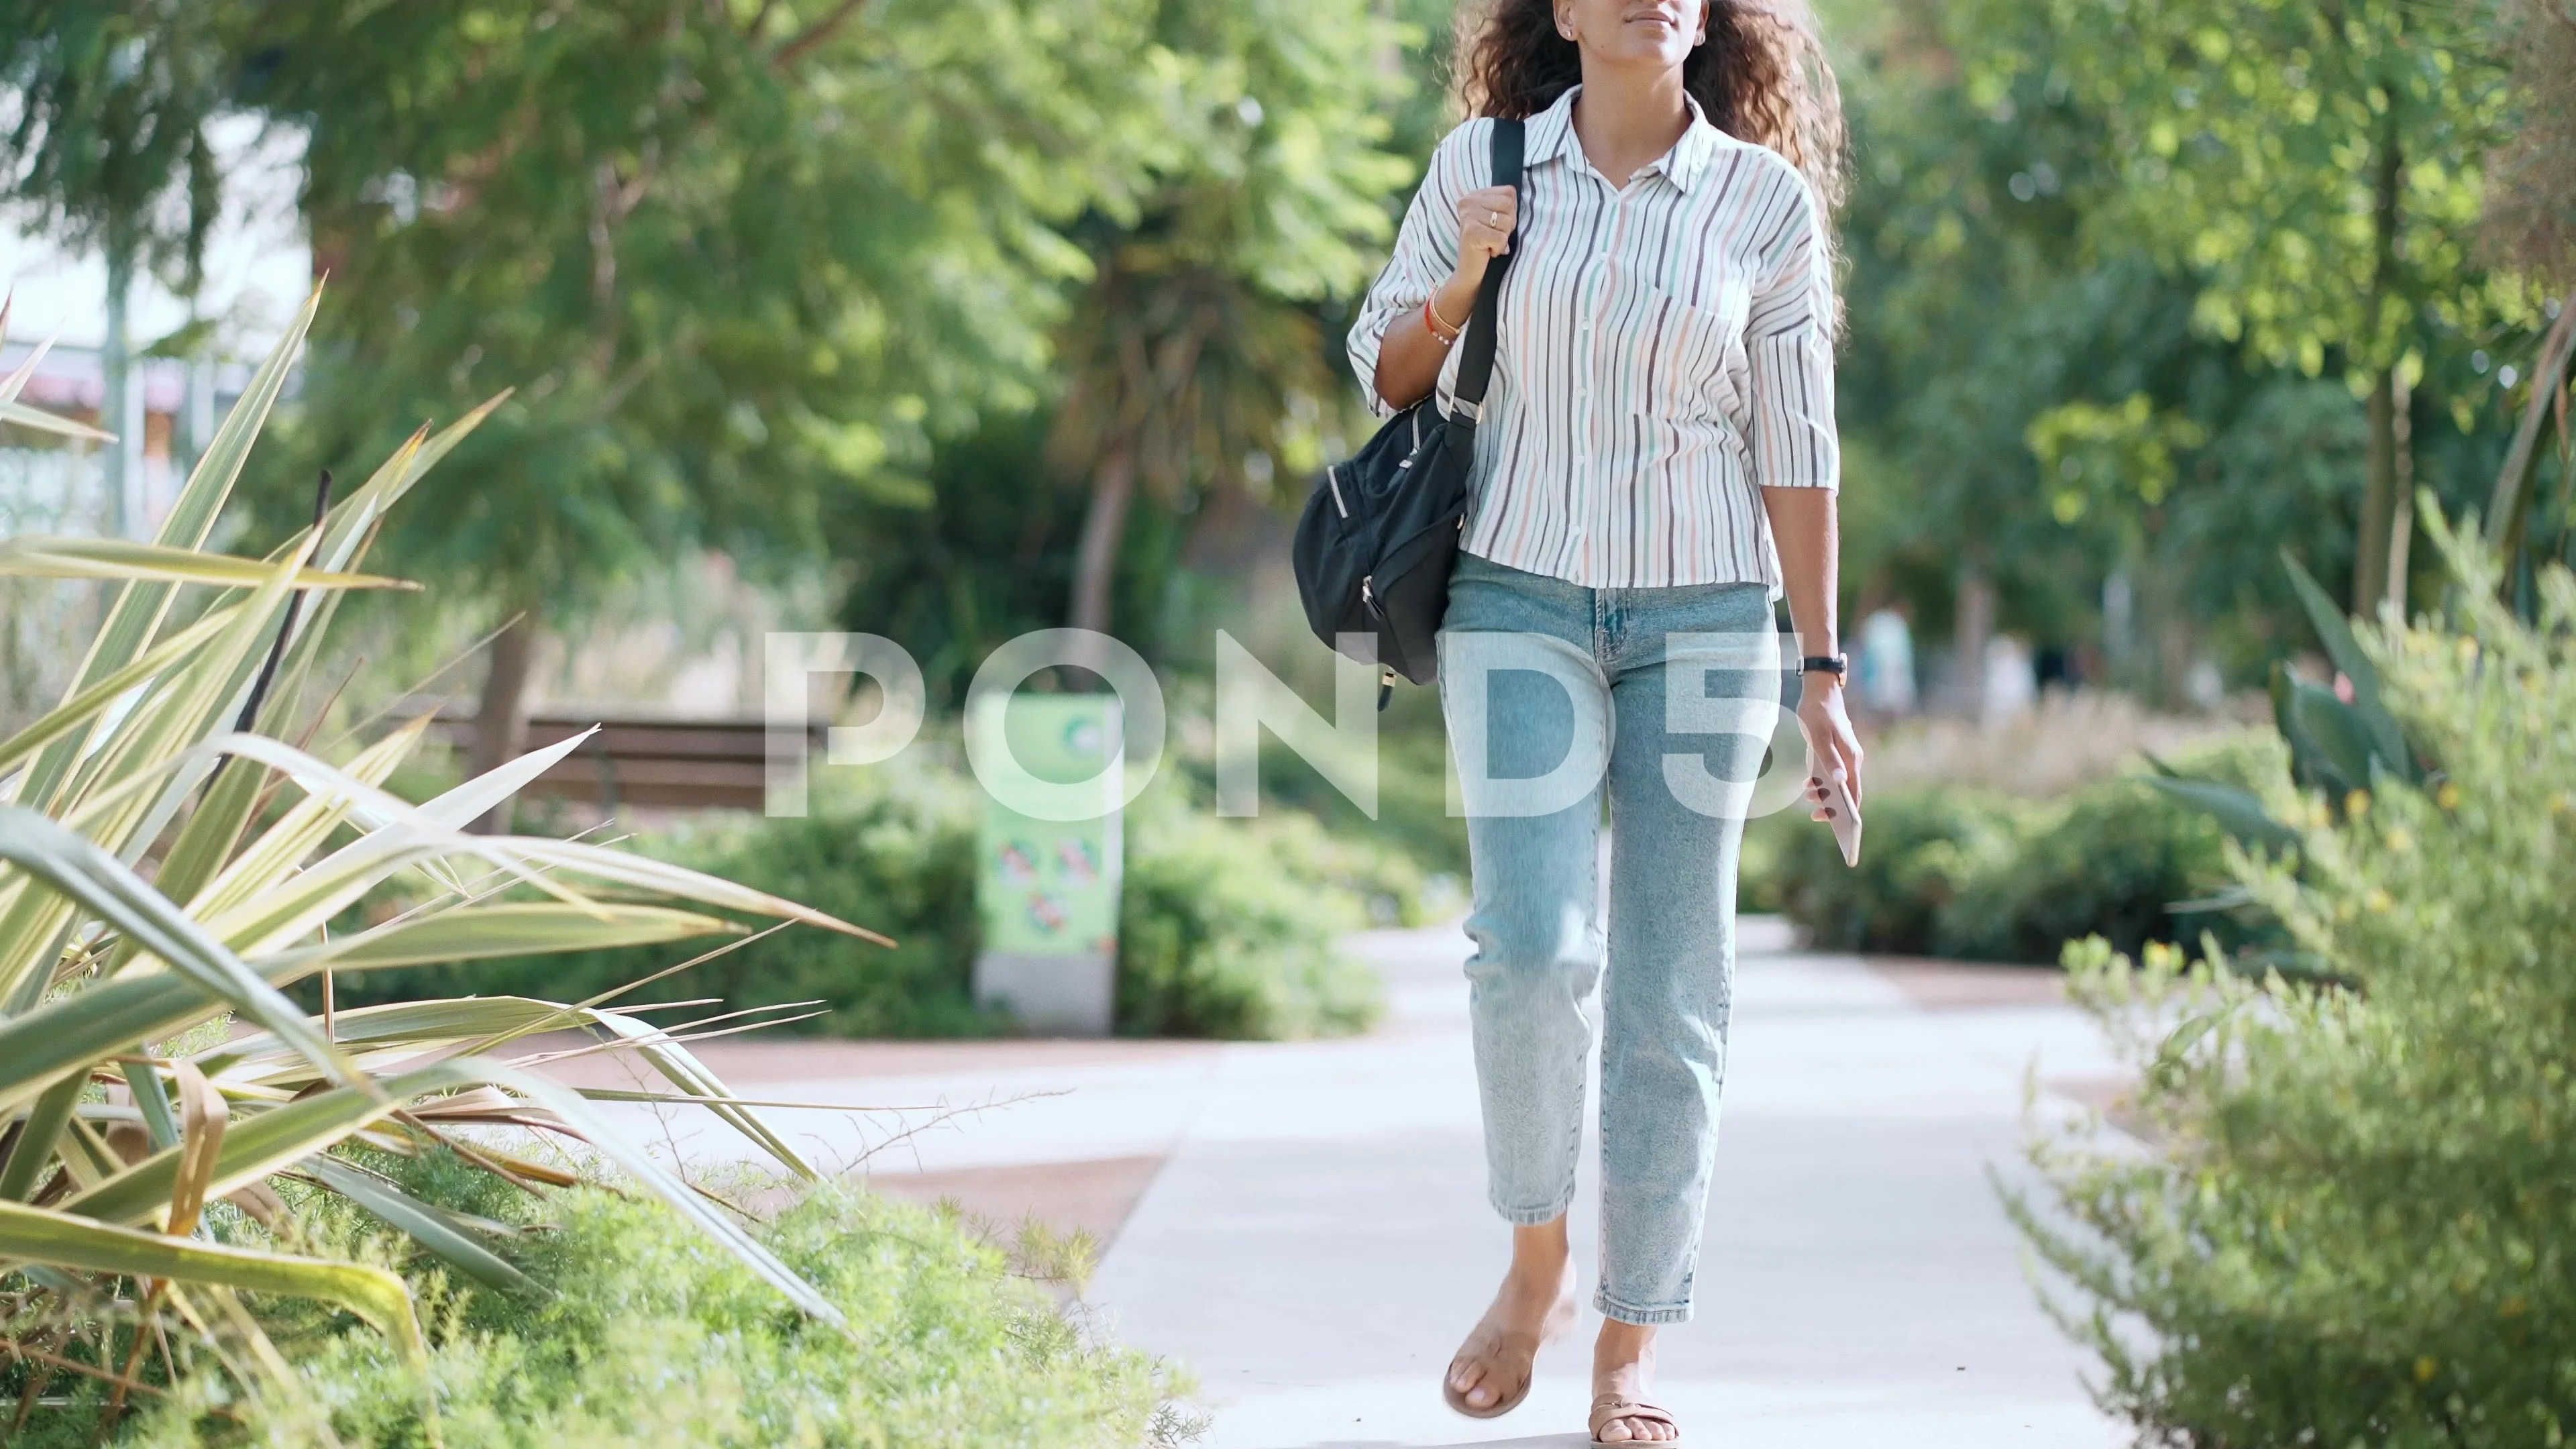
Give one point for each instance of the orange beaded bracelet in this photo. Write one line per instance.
(1441, 332)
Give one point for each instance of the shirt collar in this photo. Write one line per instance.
(1551, 137)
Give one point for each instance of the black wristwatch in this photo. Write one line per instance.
(1837, 665)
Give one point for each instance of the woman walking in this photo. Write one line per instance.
(1656, 464)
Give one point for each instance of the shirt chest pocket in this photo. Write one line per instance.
(1679, 361)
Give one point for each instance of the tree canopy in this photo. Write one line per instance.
(2314, 167)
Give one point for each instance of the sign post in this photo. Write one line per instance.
(1047, 890)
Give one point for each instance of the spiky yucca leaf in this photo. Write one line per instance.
(142, 899)
(72, 1241)
(34, 556)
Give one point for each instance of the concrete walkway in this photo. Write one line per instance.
(1319, 1240)
(1303, 1225)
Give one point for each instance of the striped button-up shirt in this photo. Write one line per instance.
(1667, 349)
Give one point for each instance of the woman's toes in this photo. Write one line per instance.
(1469, 1380)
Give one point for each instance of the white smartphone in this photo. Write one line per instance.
(1845, 815)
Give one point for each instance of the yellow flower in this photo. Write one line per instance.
(2425, 1368)
(2356, 804)
(2400, 840)
(2378, 899)
(2448, 796)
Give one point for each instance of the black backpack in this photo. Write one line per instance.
(1377, 540)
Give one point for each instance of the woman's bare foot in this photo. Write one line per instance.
(1623, 1360)
(1491, 1373)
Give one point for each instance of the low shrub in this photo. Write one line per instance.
(646, 1333)
(2354, 1217)
(1915, 844)
(1228, 931)
(894, 851)
(2110, 860)
(1228, 927)
(1982, 876)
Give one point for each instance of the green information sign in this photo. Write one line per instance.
(1050, 887)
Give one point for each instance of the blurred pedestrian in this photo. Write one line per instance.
(1883, 666)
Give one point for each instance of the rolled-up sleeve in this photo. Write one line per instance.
(1426, 251)
(1789, 351)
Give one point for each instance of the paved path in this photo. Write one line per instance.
(1303, 1224)
(1319, 1240)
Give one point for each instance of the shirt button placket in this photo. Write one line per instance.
(1587, 341)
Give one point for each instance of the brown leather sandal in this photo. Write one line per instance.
(1500, 1346)
(1611, 1406)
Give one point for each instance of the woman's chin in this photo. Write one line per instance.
(1645, 43)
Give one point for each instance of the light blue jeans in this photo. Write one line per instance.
(1665, 698)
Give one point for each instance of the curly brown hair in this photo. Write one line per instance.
(1761, 76)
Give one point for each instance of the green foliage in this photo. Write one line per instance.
(2026, 400)
(2034, 388)
(2312, 164)
(1961, 873)
(898, 849)
(641, 1337)
(167, 755)
(2111, 860)
(987, 554)
(108, 143)
(2352, 1217)
(735, 258)
(1914, 844)
(2315, 169)
(1413, 819)
(2337, 747)
(742, 261)
(1228, 927)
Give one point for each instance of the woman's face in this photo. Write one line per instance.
(1634, 32)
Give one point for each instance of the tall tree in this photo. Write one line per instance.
(1197, 346)
(2316, 165)
(108, 151)
(2531, 225)
(734, 258)
(2531, 197)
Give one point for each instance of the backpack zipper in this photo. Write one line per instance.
(1335, 484)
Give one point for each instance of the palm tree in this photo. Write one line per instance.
(1182, 374)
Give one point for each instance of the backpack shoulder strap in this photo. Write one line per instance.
(1476, 364)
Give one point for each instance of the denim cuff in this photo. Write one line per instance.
(1612, 1308)
(1532, 1217)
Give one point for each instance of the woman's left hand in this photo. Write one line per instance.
(1831, 744)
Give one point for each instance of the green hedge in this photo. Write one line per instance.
(1979, 876)
(648, 1333)
(1228, 928)
(2353, 1219)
